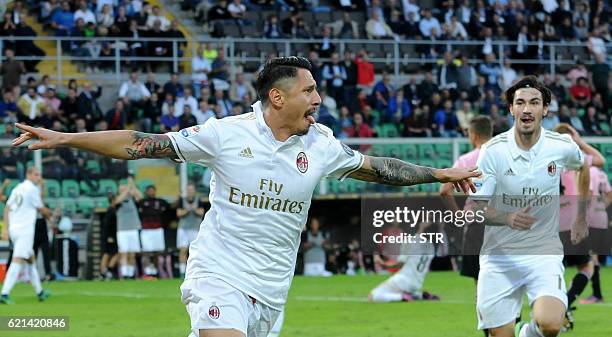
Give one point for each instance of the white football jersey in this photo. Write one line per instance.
(513, 179)
(260, 194)
(23, 205)
(416, 259)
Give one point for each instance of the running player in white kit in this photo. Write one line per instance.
(519, 193)
(20, 217)
(266, 165)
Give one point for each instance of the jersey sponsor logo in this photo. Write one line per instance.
(269, 197)
(552, 168)
(348, 150)
(509, 172)
(190, 131)
(214, 312)
(302, 162)
(246, 153)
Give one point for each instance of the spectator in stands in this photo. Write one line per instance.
(116, 117)
(216, 15)
(382, 91)
(47, 9)
(578, 71)
(31, 106)
(325, 48)
(427, 23)
(419, 122)
(186, 99)
(508, 75)
(8, 163)
(591, 122)
(123, 22)
(361, 130)
(240, 89)
(87, 106)
(151, 113)
(151, 84)
(398, 108)
(84, 13)
(500, 124)
(317, 67)
(272, 29)
(63, 22)
(599, 73)
(427, 88)
(466, 75)
(157, 48)
(576, 121)
(8, 108)
(174, 32)
(187, 118)
(69, 107)
(105, 18)
(204, 112)
(200, 68)
(377, 28)
(11, 71)
(411, 6)
(169, 122)
(334, 74)
(345, 28)
(134, 94)
(290, 23)
(237, 11)
(492, 72)
(220, 71)
(465, 115)
(51, 100)
(156, 15)
(446, 123)
(224, 104)
(302, 31)
(448, 76)
(580, 93)
(169, 101)
(397, 24)
(173, 87)
(365, 70)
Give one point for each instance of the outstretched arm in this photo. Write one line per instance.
(121, 144)
(391, 171)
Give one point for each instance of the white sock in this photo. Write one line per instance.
(182, 268)
(379, 296)
(530, 330)
(34, 278)
(11, 277)
(130, 271)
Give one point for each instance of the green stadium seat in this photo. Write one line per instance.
(444, 150)
(464, 148)
(86, 205)
(409, 151)
(68, 206)
(377, 150)
(426, 151)
(53, 188)
(51, 202)
(70, 188)
(195, 172)
(606, 150)
(2, 128)
(101, 202)
(444, 163)
(427, 162)
(93, 166)
(390, 130)
(605, 127)
(107, 186)
(360, 186)
(393, 151)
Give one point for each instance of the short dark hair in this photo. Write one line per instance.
(482, 126)
(528, 82)
(276, 69)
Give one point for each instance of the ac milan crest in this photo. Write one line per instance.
(214, 312)
(302, 162)
(552, 168)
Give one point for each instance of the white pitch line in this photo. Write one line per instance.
(351, 299)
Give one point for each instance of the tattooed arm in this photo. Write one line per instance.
(391, 171)
(122, 144)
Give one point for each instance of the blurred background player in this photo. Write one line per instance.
(20, 218)
(479, 132)
(575, 255)
(314, 242)
(406, 284)
(128, 225)
(152, 237)
(190, 211)
(597, 218)
(110, 255)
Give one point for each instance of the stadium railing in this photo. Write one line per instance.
(251, 52)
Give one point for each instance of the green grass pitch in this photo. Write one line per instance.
(334, 307)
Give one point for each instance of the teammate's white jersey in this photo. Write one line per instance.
(416, 259)
(23, 204)
(260, 195)
(513, 179)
